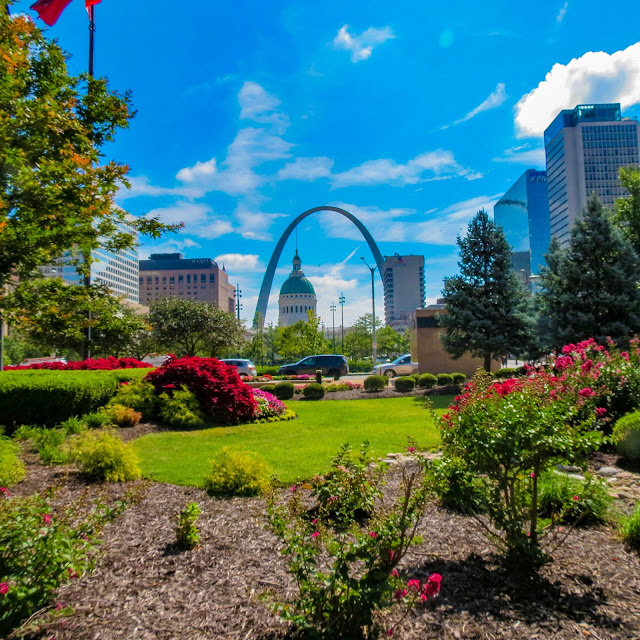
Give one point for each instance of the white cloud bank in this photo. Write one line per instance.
(362, 46)
(237, 262)
(594, 77)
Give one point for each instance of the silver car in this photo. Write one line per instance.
(245, 367)
(401, 366)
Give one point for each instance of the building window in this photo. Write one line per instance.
(211, 278)
(188, 278)
(180, 278)
(203, 277)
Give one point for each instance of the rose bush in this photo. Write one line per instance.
(91, 364)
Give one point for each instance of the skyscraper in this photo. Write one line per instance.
(585, 147)
(404, 289)
(523, 213)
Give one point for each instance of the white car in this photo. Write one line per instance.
(245, 367)
(401, 366)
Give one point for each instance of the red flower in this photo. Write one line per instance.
(46, 518)
(575, 498)
(600, 412)
(400, 593)
(315, 534)
(414, 585)
(4, 588)
(587, 392)
(373, 534)
(293, 488)
(5, 492)
(432, 585)
(395, 573)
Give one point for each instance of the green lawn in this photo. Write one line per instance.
(297, 448)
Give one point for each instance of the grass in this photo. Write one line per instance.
(298, 448)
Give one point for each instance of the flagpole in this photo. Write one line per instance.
(92, 30)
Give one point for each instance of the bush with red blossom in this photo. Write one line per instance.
(222, 395)
(91, 364)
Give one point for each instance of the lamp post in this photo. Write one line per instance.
(373, 311)
(238, 296)
(342, 300)
(332, 308)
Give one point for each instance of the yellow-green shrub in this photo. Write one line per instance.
(123, 416)
(11, 466)
(181, 410)
(102, 455)
(237, 473)
(140, 396)
(630, 528)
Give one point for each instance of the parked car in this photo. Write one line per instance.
(331, 365)
(245, 367)
(401, 366)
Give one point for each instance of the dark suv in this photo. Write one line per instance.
(331, 365)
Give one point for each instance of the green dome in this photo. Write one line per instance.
(296, 285)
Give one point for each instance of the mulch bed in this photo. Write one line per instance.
(145, 589)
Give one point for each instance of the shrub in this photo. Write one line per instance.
(458, 378)
(97, 420)
(444, 379)
(346, 571)
(626, 435)
(103, 456)
(569, 500)
(313, 391)
(416, 377)
(91, 364)
(187, 535)
(39, 550)
(122, 416)
(456, 487)
(48, 443)
(269, 388)
(505, 373)
(404, 384)
(284, 390)
(630, 528)
(12, 468)
(262, 370)
(267, 405)
(181, 410)
(427, 381)
(237, 473)
(50, 397)
(71, 426)
(375, 383)
(222, 395)
(140, 396)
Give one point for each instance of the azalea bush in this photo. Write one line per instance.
(267, 405)
(222, 395)
(91, 364)
(509, 433)
(344, 551)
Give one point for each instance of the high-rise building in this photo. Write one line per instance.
(297, 296)
(168, 275)
(585, 147)
(117, 270)
(523, 213)
(404, 289)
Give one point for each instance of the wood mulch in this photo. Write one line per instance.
(144, 589)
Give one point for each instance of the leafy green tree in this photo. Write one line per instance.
(191, 328)
(301, 339)
(627, 210)
(270, 335)
(486, 304)
(590, 289)
(357, 344)
(364, 322)
(391, 344)
(257, 349)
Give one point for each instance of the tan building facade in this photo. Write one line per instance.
(169, 275)
(427, 349)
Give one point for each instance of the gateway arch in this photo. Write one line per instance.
(265, 289)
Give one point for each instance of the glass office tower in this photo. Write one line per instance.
(585, 147)
(523, 213)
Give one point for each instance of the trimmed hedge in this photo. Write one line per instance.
(284, 391)
(375, 383)
(46, 398)
(445, 379)
(405, 383)
(427, 381)
(458, 378)
(313, 391)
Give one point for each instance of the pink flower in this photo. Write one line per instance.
(395, 573)
(293, 488)
(314, 521)
(400, 593)
(4, 588)
(391, 554)
(72, 574)
(414, 585)
(59, 606)
(532, 475)
(389, 632)
(5, 492)
(373, 534)
(576, 498)
(432, 586)
(563, 362)
(315, 534)
(46, 518)
(332, 499)
(600, 412)
(411, 449)
(424, 597)
(587, 366)
(625, 355)
(587, 392)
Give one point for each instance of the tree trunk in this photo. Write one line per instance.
(487, 363)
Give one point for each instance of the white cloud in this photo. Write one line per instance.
(361, 47)
(198, 219)
(141, 186)
(176, 245)
(238, 261)
(562, 13)
(524, 154)
(306, 169)
(200, 172)
(594, 77)
(259, 105)
(254, 225)
(495, 99)
(439, 164)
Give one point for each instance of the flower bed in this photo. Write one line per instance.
(91, 364)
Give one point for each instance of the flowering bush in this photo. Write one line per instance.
(510, 432)
(345, 565)
(91, 364)
(217, 386)
(342, 386)
(40, 550)
(268, 406)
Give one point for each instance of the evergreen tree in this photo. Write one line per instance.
(627, 210)
(590, 289)
(486, 304)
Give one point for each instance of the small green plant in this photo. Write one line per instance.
(313, 391)
(12, 468)
(237, 473)
(123, 416)
(630, 528)
(375, 383)
(181, 410)
(405, 383)
(444, 379)
(24, 432)
(427, 381)
(626, 435)
(187, 535)
(458, 378)
(48, 443)
(456, 487)
(140, 396)
(103, 456)
(97, 420)
(71, 426)
(284, 390)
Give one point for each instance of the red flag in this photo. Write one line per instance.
(50, 10)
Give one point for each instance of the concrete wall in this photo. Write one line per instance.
(427, 349)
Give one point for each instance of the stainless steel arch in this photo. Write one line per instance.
(265, 289)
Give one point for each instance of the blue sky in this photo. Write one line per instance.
(411, 115)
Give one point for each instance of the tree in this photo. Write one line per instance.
(257, 349)
(357, 344)
(190, 328)
(485, 303)
(364, 322)
(391, 343)
(270, 340)
(627, 210)
(301, 339)
(590, 289)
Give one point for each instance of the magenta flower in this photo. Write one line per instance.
(587, 392)
(46, 518)
(400, 593)
(315, 534)
(411, 449)
(395, 573)
(600, 412)
(575, 498)
(373, 534)
(532, 475)
(389, 632)
(432, 585)
(293, 488)
(5, 492)
(414, 585)
(4, 588)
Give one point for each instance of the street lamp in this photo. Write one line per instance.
(373, 307)
(238, 296)
(332, 308)
(342, 300)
